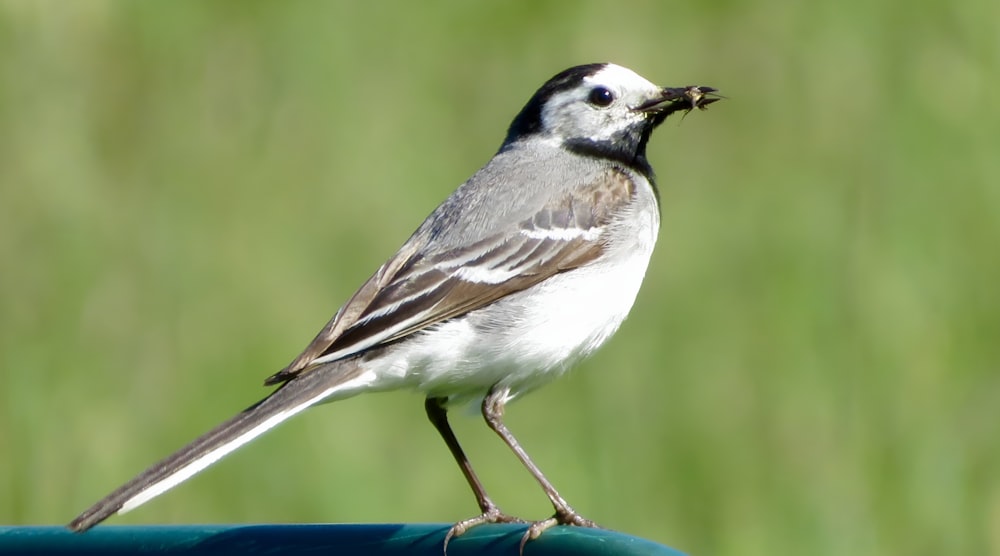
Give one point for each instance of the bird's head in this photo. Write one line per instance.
(602, 109)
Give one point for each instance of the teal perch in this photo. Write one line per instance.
(333, 540)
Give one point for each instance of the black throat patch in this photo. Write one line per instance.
(628, 149)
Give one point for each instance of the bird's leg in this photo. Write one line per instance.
(438, 416)
(493, 407)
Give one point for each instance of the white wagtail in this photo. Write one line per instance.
(528, 266)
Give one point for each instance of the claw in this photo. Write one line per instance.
(567, 517)
(492, 515)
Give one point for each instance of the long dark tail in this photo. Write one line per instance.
(294, 396)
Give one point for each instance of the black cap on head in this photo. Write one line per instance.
(529, 120)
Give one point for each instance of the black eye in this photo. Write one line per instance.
(600, 96)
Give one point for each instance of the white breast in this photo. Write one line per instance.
(572, 314)
(526, 339)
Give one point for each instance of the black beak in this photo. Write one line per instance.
(672, 99)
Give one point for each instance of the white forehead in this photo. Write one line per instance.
(620, 78)
(569, 114)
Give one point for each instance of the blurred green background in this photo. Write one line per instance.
(188, 190)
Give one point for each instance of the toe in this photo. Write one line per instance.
(493, 515)
(566, 517)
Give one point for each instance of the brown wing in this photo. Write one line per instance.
(414, 290)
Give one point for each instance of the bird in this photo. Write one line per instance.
(527, 267)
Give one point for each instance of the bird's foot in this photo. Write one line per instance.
(491, 515)
(566, 516)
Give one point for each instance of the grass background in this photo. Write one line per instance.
(188, 190)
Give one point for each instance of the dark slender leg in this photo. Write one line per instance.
(493, 406)
(438, 416)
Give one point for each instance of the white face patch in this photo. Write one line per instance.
(570, 114)
(622, 80)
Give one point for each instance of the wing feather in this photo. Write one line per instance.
(419, 287)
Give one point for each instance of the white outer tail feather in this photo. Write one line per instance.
(290, 399)
(212, 456)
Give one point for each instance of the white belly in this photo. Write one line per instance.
(529, 338)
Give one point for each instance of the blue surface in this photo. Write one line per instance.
(328, 540)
